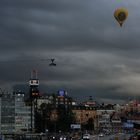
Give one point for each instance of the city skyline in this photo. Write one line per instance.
(94, 55)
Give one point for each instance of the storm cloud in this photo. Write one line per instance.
(94, 55)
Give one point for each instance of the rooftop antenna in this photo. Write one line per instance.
(34, 74)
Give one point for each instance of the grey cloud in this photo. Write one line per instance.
(94, 55)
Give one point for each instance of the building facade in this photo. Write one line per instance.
(22, 113)
(7, 113)
(14, 113)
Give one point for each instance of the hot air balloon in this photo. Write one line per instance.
(120, 15)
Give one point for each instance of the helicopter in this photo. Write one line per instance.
(52, 62)
(26, 60)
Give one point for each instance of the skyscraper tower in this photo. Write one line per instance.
(34, 94)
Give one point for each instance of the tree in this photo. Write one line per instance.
(43, 120)
(65, 118)
(90, 124)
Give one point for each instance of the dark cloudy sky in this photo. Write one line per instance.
(94, 55)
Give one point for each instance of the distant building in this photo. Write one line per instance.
(90, 102)
(83, 114)
(132, 105)
(7, 123)
(56, 100)
(22, 113)
(103, 117)
(14, 114)
(43, 100)
(116, 123)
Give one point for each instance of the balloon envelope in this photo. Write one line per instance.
(120, 15)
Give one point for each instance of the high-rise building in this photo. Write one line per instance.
(14, 113)
(22, 113)
(34, 94)
(7, 113)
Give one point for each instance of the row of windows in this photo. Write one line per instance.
(8, 105)
(23, 114)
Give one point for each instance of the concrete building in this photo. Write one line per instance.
(103, 118)
(83, 114)
(116, 123)
(22, 113)
(132, 105)
(14, 114)
(90, 102)
(7, 123)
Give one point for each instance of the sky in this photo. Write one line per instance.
(94, 55)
